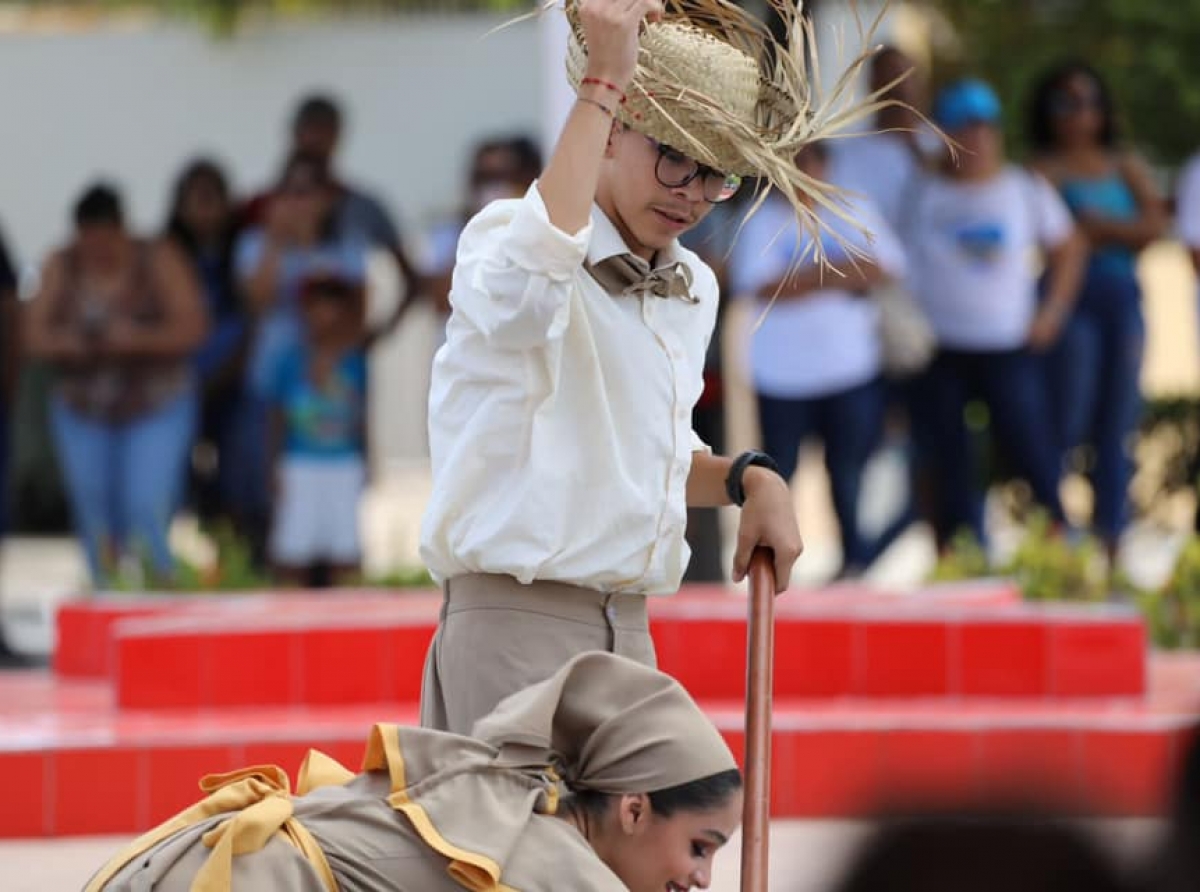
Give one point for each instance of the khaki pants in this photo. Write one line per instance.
(497, 636)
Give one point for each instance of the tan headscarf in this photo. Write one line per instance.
(602, 722)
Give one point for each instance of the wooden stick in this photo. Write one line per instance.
(760, 668)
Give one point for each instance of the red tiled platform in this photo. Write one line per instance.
(309, 650)
(951, 691)
(74, 764)
(86, 627)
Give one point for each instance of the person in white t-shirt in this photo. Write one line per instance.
(560, 411)
(815, 359)
(973, 232)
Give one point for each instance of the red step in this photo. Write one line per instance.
(311, 650)
(86, 626)
(75, 765)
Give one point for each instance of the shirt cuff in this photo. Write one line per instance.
(534, 243)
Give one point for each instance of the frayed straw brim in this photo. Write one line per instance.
(712, 81)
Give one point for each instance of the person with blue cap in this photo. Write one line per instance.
(972, 229)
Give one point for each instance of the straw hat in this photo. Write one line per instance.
(713, 82)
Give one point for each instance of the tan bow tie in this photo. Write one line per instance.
(630, 276)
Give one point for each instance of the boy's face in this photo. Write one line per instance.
(648, 214)
(983, 147)
(325, 314)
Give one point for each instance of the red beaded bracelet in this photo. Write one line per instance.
(605, 84)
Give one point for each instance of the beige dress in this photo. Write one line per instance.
(435, 811)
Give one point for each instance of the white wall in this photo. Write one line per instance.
(134, 102)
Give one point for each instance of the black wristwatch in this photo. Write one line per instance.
(733, 483)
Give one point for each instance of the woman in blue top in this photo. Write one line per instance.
(1095, 367)
(201, 222)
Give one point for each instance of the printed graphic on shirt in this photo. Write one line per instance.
(981, 242)
(326, 416)
(322, 419)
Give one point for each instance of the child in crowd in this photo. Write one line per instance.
(318, 395)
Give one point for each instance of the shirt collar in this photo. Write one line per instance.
(606, 242)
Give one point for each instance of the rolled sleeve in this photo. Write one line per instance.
(515, 273)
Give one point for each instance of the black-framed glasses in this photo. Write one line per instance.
(674, 169)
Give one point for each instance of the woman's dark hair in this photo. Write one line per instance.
(200, 170)
(698, 795)
(1041, 107)
(526, 157)
(99, 205)
(318, 109)
(529, 157)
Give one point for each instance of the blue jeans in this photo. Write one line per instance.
(1094, 378)
(1012, 385)
(849, 423)
(124, 480)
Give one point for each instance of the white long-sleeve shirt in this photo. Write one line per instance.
(560, 415)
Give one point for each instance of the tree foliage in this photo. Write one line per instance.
(1146, 49)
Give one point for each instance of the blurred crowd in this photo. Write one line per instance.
(987, 283)
(221, 364)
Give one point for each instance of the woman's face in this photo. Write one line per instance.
(494, 177)
(982, 147)
(1077, 110)
(204, 206)
(101, 245)
(651, 853)
(305, 196)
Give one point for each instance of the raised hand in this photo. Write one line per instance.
(611, 29)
